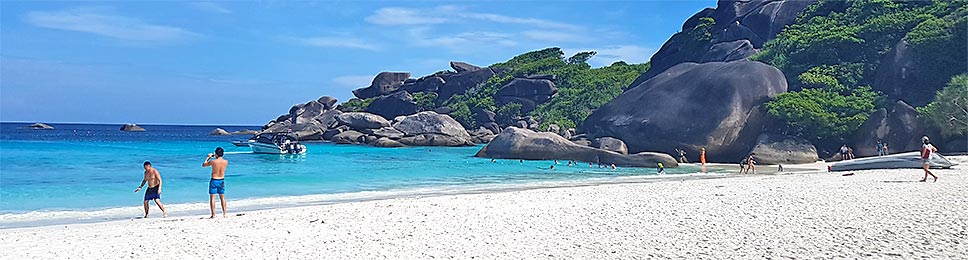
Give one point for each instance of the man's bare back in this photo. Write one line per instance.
(218, 167)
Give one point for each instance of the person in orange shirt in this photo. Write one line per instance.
(702, 156)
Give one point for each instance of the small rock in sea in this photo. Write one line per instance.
(132, 128)
(219, 131)
(40, 126)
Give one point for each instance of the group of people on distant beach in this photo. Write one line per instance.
(216, 186)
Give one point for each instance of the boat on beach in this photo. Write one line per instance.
(276, 143)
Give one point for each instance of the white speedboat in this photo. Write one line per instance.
(276, 143)
(243, 143)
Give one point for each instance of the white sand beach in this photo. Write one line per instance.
(880, 214)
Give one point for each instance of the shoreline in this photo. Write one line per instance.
(877, 213)
(47, 218)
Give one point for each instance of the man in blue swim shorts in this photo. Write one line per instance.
(153, 179)
(217, 184)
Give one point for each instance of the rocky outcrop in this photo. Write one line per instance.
(327, 102)
(362, 120)
(244, 132)
(384, 83)
(347, 137)
(773, 149)
(386, 142)
(463, 67)
(528, 92)
(752, 21)
(900, 127)
(611, 144)
(517, 143)
(219, 131)
(132, 128)
(712, 105)
(388, 132)
(431, 129)
(40, 126)
(729, 51)
(458, 83)
(397, 104)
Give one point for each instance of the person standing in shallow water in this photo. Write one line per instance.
(702, 156)
(153, 178)
(926, 150)
(217, 184)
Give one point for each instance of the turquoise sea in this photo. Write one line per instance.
(88, 172)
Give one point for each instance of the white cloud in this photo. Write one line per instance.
(553, 36)
(210, 7)
(337, 42)
(353, 81)
(97, 22)
(461, 42)
(402, 16)
(610, 54)
(453, 14)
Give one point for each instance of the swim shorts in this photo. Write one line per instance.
(152, 193)
(216, 186)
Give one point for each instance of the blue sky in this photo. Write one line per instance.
(244, 63)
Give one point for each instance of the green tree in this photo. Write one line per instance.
(425, 100)
(949, 110)
(823, 115)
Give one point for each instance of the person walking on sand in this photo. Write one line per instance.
(153, 178)
(880, 147)
(751, 164)
(702, 156)
(217, 184)
(926, 150)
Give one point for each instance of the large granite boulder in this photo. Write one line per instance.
(388, 132)
(458, 83)
(386, 142)
(397, 104)
(729, 51)
(347, 137)
(900, 127)
(755, 21)
(527, 92)
(779, 149)
(132, 128)
(40, 126)
(328, 102)
(431, 129)
(463, 67)
(384, 83)
(429, 83)
(517, 143)
(219, 131)
(611, 144)
(713, 105)
(362, 120)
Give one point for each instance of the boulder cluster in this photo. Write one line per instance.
(319, 120)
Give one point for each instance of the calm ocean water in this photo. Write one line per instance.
(80, 167)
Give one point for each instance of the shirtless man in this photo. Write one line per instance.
(217, 184)
(153, 178)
